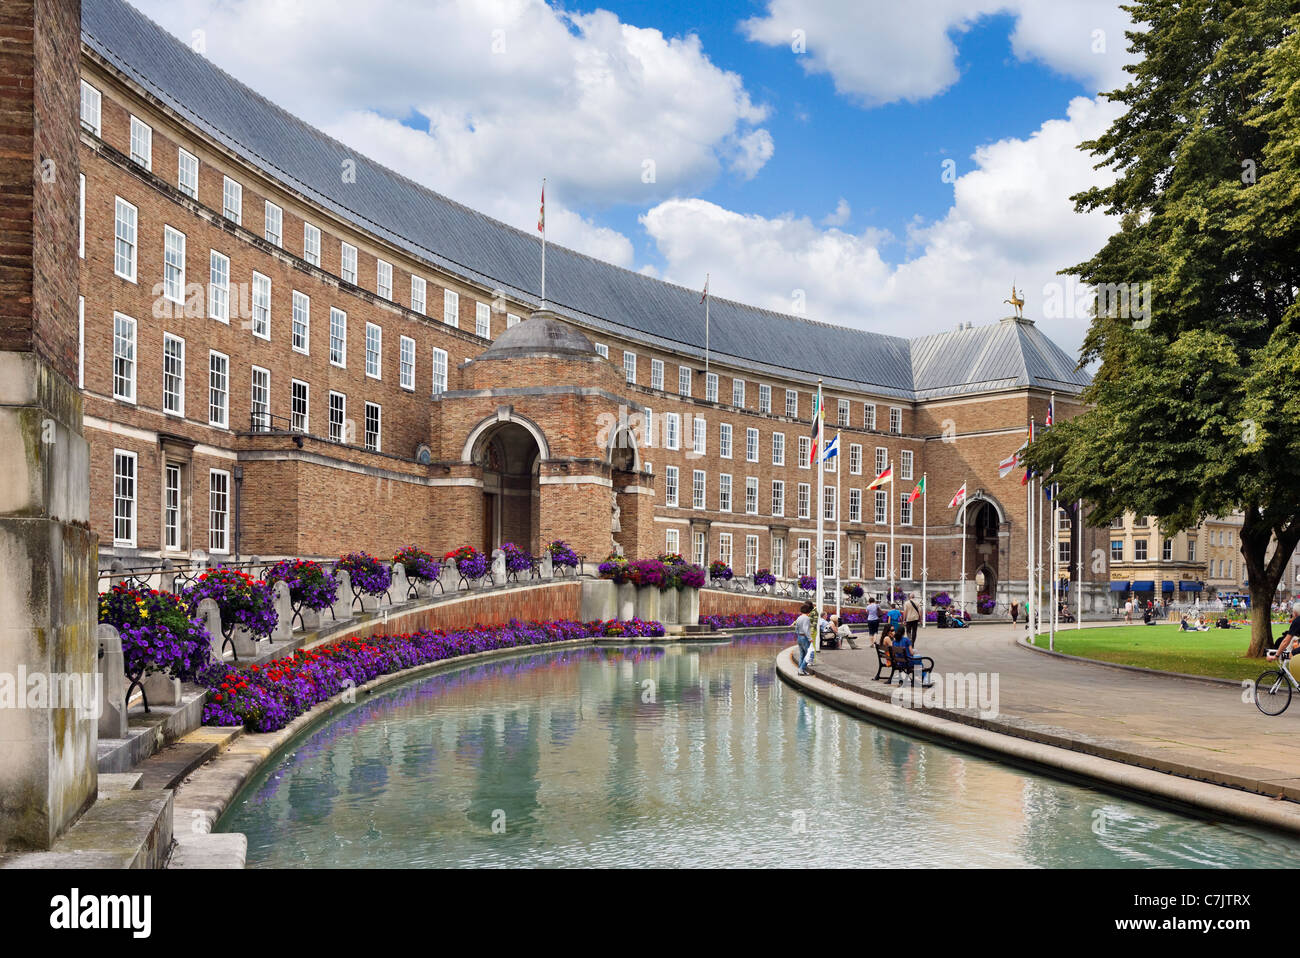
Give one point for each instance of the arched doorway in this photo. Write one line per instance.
(624, 465)
(510, 457)
(983, 526)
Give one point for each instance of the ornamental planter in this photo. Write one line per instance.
(626, 607)
(668, 599)
(647, 602)
(688, 606)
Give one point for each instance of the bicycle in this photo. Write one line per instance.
(1274, 687)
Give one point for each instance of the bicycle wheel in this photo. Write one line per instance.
(1272, 692)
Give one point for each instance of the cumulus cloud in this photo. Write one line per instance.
(480, 99)
(880, 52)
(1011, 219)
(840, 216)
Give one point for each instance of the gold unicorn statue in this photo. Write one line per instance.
(1017, 301)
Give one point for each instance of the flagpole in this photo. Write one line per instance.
(964, 499)
(1056, 574)
(706, 333)
(1030, 605)
(891, 531)
(1040, 506)
(925, 542)
(1078, 566)
(818, 569)
(543, 225)
(839, 507)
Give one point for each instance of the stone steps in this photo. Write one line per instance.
(147, 732)
(169, 767)
(130, 828)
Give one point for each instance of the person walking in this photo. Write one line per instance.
(911, 616)
(1015, 614)
(873, 617)
(1128, 612)
(803, 627)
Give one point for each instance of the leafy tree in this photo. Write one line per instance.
(1195, 409)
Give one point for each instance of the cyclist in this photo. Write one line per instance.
(1290, 636)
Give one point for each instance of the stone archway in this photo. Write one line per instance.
(981, 538)
(509, 455)
(624, 474)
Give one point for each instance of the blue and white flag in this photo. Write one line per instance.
(833, 447)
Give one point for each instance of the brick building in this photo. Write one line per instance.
(286, 348)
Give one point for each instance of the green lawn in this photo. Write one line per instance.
(1219, 652)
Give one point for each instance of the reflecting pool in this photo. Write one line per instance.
(679, 756)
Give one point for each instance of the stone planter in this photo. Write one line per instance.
(647, 602)
(668, 599)
(688, 606)
(626, 601)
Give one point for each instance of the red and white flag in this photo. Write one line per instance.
(541, 213)
(1009, 464)
(959, 498)
(706, 288)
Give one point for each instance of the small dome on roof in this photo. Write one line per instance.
(542, 332)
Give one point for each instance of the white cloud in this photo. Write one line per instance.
(880, 51)
(1011, 219)
(504, 92)
(841, 215)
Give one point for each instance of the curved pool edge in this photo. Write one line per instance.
(1130, 780)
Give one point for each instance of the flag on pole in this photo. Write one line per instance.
(1008, 465)
(706, 288)
(817, 411)
(885, 477)
(917, 492)
(832, 448)
(541, 212)
(1051, 409)
(959, 498)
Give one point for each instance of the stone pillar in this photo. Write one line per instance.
(47, 615)
(668, 606)
(343, 600)
(245, 643)
(401, 584)
(283, 630)
(498, 566)
(688, 607)
(647, 602)
(161, 689)
(211, 616)
(547, 567)
(112, 717)
(626, 608)
(450, 577)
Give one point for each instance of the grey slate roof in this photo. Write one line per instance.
(595, 294)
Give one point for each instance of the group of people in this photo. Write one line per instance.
(888, 627)
(1147, 611)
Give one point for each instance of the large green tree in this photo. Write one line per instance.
(1195, 404)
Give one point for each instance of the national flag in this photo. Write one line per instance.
(706, 289)
(959, 498)
(1008, 465)
(918, 491)
(1051, 409)
(541, 213)
(817, 410)
(832, 448)
(885, 477)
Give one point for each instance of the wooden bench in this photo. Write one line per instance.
(901, 664)
(883, 661)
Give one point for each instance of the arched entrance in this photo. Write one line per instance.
(510, 457)
(982, 527)
(624, 466)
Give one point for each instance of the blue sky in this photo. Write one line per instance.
(807, 181)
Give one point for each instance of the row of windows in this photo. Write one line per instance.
(803, 501)
(801, 563)
(232, 203)
(125, 505)
(1140, 553)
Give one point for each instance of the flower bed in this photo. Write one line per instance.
(368, 574)
(311, 585)
(267, 698)
(158, 632)
(420, 566)
(470, 563)
(243, 600)
(781, 619)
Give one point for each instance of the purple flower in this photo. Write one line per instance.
(368, 574)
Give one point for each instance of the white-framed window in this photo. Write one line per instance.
(261, 306)
(338, 416)
(439, 371)
(218, 389)
(273, 224)
(629, 366)
(406, 363)
(711, 387)
(882, 459)
(738, 393)
(699, 548)
(338, 337)
(1140, 551)
(828, 503)
(699, 487)
(778, 497)
(300, 406)
(124, 239)
(347, 262)
(672, 541)
(81, 342)
(751, 495)
(173, 375)
(124, 357)
(869, 416)
(172, 506)
(218, 510)
(700, 428)
(218, 286)
(602, 350)
(670, 485)
(1063, 552)
(232, 200)
(187, 173)
(803, 557)
(301, 321)
(1191, 550)
(656, 374)
(724, 547)
(831, 567)
(511, 320)
(843, 413)
(882, 507)
(311, 244)
(373, 423)
(81, 232)
(672, 430)
(374, 346)
(895, 419)
(684, 380)
(855, 459)
(647, 437)
(905, 560)
(260, 399)
(384, 279)
(173, 265)
(905, 466)
(803, 494)
(805, 452)
(855, 560)
(751, 445)
(724, 440)
(855, 505)
(764, 398)
(792, 403)
(418, 289)
(124, 479)
(91, 102)
(141, 143)
(905, 509)
(451, 307)
(483, 320)
(778, 449)
(882, 561)
(778, 556)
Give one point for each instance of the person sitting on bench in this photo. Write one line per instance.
(904, 645)
(842, 632)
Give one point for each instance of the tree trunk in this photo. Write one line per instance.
(1256, 537)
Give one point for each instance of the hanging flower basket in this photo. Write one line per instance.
(764, 577)
(243, 601)
(369, 575)
(562, 555)
(159, 634)
(807, 582)
(311, 585)
(720, 570)
(470, 563)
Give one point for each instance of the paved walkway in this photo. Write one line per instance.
(1193, 729)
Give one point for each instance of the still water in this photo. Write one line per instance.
(681, 756)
